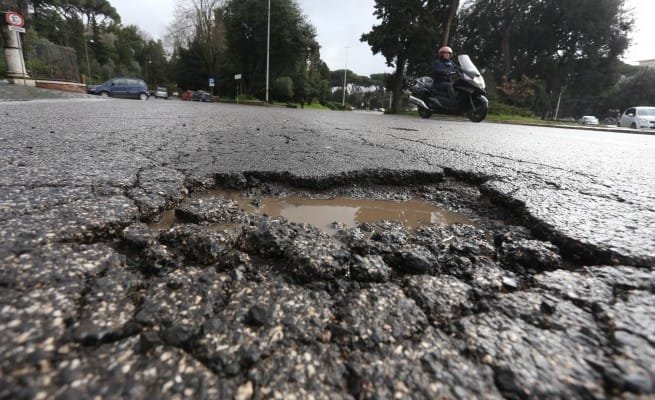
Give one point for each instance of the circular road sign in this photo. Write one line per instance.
(15, 19)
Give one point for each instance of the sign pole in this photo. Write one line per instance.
(268, 48)
(237, 78)
(212, 83)
(13, 48)
(22, 59)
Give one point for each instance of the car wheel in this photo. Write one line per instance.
(633, 126)
(104, 94)
(143, 96)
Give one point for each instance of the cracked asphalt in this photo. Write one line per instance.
(550, 294)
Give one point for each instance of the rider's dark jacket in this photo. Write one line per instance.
(442, 70)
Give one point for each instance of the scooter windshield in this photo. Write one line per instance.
(467, 66)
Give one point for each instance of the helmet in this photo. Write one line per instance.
(445, 49)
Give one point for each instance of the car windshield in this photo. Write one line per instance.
(646, 111)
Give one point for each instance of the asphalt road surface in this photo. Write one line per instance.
(551, 296)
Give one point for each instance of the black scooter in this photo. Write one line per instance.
(468, 95)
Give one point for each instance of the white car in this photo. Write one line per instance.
(161, 93)
(638, 118)
(588, 120)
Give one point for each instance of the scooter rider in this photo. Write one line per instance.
(443, 68)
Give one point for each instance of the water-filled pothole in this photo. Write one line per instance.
(345, 211)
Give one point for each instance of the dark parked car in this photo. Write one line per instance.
(201, 95)
(122, 87)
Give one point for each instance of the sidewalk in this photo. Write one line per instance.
(11, 92)
(599, 128)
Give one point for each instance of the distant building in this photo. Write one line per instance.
(647, 63)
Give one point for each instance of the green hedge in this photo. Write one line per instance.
(3, 65)
(496, 108)
(334, 106)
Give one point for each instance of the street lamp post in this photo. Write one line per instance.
(268, 48)
(345, 73)
(88, 65)
(148, 61)
(559, 100)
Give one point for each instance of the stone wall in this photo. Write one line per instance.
(63, 86)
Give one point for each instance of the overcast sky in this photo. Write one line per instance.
(340, 24)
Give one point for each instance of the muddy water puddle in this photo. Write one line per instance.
(345, 211)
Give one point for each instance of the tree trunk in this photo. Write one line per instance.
(445, 37)
(398, 84)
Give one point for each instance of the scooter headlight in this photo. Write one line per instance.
(479, 80)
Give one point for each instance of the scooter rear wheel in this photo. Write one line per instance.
(424, 113)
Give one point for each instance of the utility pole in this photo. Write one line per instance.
(148, 61)
(88, 66)
(559, 100)
(345, 73)
(268, 49)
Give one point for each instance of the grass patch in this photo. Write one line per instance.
(316, 106)
(232, 100)
(519, 119)
(3, 66)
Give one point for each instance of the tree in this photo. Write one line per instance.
(95, 11)
(187, 66)
(92, 28)
(78, 24)
(293, 49)
(283, 88)
(91, 12)
(313, 82)
(15, 5)
(408, 33)
(638, 89)
(576, 45)
(452, 12)
(201, 28)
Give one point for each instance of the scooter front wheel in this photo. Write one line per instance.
(424, 112)
(478, 110)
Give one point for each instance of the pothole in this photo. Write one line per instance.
(332, 213)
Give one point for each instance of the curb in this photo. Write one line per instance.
(614, 129)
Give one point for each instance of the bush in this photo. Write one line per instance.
(3, 66)
(334, 106)
(246, 97)
(283, 88)
(498, 108)
(519, 93)
(38, 69)
(46, 60)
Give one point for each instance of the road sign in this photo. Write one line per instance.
(16, 29)
(237, 76)
(211, 82)
(15, 19)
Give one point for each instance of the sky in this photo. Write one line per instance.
(340, 24)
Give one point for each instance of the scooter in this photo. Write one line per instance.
(467, 96)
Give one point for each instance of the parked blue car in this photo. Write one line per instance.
(132, 88)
